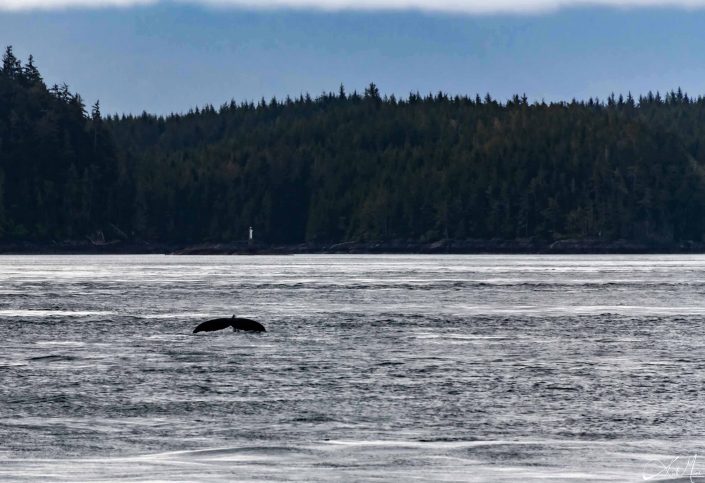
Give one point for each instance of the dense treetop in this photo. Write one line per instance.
(57, 164)
(348, 166)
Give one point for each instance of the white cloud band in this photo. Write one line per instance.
(13, 5)
(460, 6)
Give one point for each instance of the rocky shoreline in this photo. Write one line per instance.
(528, 246)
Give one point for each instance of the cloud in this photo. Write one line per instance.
(458, 6)
(17, 5)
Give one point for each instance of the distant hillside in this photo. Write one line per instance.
(349, 166)
(58, 170)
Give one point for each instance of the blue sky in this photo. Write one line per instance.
(170, 56)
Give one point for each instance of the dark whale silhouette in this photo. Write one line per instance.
(237, 323)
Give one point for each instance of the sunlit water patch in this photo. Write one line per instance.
(447, 368)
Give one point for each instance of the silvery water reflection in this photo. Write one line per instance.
(436, 367)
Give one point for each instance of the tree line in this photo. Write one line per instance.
(351, 166)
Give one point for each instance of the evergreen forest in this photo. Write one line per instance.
(350, 166)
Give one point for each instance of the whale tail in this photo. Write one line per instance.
(235, 322)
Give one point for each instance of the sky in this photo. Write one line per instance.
(167, 56)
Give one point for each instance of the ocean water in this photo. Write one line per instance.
(374, 368)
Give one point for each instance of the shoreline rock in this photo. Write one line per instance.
(495, 246)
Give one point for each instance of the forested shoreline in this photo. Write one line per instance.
(351, 167)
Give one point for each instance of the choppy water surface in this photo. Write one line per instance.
(458, 368)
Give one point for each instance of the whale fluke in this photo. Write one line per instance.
(237, 323)
(211, 325)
